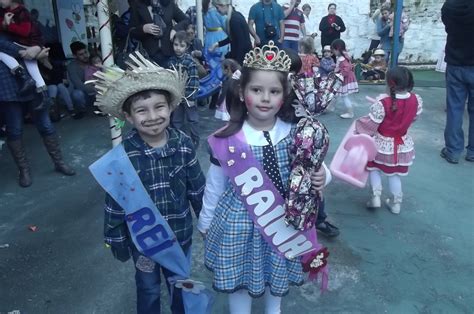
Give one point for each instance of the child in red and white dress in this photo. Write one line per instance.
(389, 119)
(344, 66)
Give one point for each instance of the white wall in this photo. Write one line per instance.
(423, 41)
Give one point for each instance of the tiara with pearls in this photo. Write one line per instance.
(269, 57)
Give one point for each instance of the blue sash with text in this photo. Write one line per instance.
(149, 231)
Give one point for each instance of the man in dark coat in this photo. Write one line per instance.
(458, 18)
(151, 23)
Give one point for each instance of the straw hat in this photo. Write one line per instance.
(379, 52)
(114, 86)
(327, 48)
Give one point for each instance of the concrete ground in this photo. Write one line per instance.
(421, 261)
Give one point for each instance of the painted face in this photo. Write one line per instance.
(307, 11)
(332, 10)
(150, 116)
(179, 47)
(263, 96)
(83, 56)
(222, 8)
(327, 54)
(378, 58)
(5, 3)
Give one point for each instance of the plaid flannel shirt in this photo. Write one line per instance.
(8, 91)
(189, 66)
(173, 179)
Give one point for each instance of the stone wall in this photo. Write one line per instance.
(424, 40)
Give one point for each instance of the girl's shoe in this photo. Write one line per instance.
(394, 205)
(347, 115)
(375, 201)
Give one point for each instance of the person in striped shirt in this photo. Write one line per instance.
(294, 25)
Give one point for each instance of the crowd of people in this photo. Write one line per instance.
(253, 99)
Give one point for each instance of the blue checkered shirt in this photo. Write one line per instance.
(9, 85)
(189, 66)
(173, 179)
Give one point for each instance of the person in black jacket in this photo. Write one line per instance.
(237, 30)
(458, 18)
(151, 23)
(331, 26)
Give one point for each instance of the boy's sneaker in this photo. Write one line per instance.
(451, 160)
(328, 229)
(469, 158)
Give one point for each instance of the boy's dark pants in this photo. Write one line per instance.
(190, 114)
(148, 281)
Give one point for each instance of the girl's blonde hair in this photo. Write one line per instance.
(306, 45)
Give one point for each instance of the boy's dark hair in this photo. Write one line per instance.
(332, 4)
(399, 79)
(339, 45)
(77, 46)
(296, 62)
(305, 6)
(145, 94)
(238, 110)
(181, 36)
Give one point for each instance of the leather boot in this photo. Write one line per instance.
(42, 100)
(18, 152)
(375, 201)
(27, 84)
(394, 204)
(51, 143)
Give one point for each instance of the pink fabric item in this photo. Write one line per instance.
(352, 156)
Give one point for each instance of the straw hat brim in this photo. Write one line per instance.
(111, 102)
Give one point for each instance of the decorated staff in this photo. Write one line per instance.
(309, 147)
(152, 180)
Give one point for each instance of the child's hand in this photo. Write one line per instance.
(318, 179)
(7, 19)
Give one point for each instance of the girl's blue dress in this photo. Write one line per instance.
(215, 24)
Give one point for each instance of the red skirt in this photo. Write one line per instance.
(388, 170)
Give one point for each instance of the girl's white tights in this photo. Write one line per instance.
(31, 67)
(394, 183)
(347, 103)
(240, 302)
(9, 61)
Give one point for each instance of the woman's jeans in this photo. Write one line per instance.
(459, 89)
(13, 113)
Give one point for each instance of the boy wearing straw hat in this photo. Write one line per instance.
(167, 174)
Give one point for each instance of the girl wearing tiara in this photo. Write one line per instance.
(250, 165)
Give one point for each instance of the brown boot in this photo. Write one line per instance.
(19, 155)
(51, 143)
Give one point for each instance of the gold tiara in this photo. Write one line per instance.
(269, 57)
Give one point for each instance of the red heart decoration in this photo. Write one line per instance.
(269, 57)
